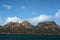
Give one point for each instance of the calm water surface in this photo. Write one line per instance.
(28, 37)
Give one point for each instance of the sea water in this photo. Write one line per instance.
(28, 37)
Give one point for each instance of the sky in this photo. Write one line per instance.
(33, 11)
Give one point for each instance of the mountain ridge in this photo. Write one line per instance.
(47, 27)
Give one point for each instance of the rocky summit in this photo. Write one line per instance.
(47, 24)
(27, 25)
(47, 27)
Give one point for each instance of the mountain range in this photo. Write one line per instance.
(47, 27)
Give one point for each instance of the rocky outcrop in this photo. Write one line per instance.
(47, 24)
(48, 27)
(12, 25)
(27, 25)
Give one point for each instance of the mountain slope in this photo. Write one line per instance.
(12, 25)
(27, 25)
(48, 27)
(47, 24)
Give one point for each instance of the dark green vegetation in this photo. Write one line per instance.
(48, 27)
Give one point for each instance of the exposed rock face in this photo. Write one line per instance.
(12, 25)
(48, 27)
(47, 24)
(27, 25)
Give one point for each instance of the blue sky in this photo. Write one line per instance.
(34, 11)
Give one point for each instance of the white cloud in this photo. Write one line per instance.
(31, 20)
(40, 18)
(13, 19)
(7, 6)
(57, 15)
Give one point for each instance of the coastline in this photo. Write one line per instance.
(29, 34)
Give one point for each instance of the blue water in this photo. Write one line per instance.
(28, 37)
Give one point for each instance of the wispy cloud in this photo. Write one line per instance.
(7, 6)
(57, 15)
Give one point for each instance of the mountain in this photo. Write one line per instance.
(47, 27)
(27, 25)
(0, 26)
(15, 27)
(12, 25)
(47, 24)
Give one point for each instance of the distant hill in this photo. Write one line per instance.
(47, 27)
(47, 24)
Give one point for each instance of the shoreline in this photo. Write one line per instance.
(30, 34)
